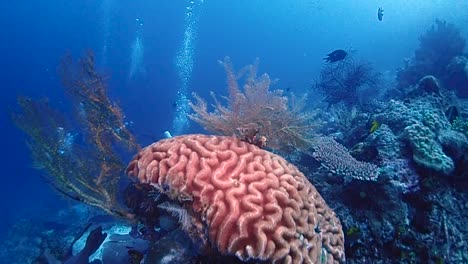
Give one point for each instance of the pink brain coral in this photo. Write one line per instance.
(250, 202)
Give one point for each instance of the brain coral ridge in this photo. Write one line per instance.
(249, 202)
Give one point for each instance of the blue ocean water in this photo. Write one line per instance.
(156, 53)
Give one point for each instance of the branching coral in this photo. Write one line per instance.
(81, 160)
(256, 114)
(342, 81)
(437, 46)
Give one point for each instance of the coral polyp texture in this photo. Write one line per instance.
(249, 202)
(336, 158)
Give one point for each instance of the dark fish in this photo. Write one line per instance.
(336, 55)
(380, 14)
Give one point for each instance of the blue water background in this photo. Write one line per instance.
(289, 37)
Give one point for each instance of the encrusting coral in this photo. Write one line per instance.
(249, 202)
(419, 121)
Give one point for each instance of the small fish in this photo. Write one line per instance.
(380, 14)
(336, 55)
(374, 126)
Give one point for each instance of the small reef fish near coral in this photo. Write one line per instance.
(336, 55)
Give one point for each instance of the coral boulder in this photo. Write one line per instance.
(244, 200)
